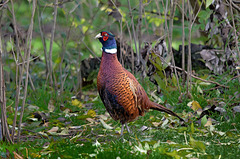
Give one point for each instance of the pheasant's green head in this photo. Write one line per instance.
(108, 41)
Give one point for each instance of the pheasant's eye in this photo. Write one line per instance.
(105, 34)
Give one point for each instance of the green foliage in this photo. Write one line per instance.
(203, 18)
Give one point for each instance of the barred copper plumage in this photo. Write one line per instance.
(122, 95)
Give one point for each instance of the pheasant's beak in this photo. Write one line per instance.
(98, 36)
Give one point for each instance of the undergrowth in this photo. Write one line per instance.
(81, 134)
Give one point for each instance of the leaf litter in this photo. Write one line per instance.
(95, 125)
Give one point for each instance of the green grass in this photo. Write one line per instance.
(167, 140)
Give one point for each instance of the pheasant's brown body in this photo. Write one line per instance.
(122, 95)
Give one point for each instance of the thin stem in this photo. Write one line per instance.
(51, 42)
(27, 55)
(134, 33)
(43, 40)
(18, 78)
(4, 125)
(183, 41)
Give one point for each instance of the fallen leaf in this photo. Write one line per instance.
(164, 123)
(236, 109)
(156, 124)
(143, 128)
(105, 125)
(195, 106)
(220, 133)
(90, 120)
(209, 122)
(67, 110)
(91, 113)
(64, 132)
(17, 156)
(204, 83)
(204, 120)
(77, 103)
(54, 129)
(32, 107)
(61, 119)
(103, 117)
(75, 127)
(96, 144)
(192, 128)
(51, 107)
(140, 149)
(197, 144)
(199, 89)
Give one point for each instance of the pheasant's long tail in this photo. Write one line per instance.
(161, 108)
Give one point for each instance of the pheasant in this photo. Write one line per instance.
(122, 95)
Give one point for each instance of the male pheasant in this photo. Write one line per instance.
(120, 92)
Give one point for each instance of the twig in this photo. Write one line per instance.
(183, 42)
(234, 5)
(4, 125)
(18, 71)
(192, 20)
(51, 43)
(132, 53)
(90, 50)
(170, 40)
(29, 60)
(64, 43)
(201, 78)
(43, 41)
(121, 43)
(134, 33)
(2, 4)
(17, 64)
(233, 78)
(27, 55)
(74, 8)
(139, 27)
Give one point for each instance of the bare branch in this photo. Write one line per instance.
(183, 41)
(51, 43)
(27, 55)
(133, 30)
(43, 41)
(5, 134)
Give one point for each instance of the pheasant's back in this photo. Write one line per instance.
(119, 90)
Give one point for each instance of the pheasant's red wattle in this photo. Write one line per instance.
(105, 38)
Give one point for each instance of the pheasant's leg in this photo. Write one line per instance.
(128, 128)
(122, 129)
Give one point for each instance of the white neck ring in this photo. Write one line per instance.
(111, 51)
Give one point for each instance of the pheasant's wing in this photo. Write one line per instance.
(139, 93)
